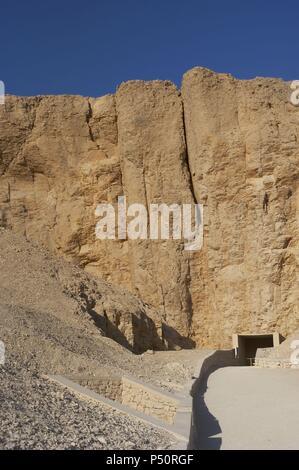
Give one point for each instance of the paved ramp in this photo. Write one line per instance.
(247, 408)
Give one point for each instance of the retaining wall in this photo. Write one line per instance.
(136, 394)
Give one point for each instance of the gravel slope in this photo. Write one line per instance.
(38, 414)
(47, 329)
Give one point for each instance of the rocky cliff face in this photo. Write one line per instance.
(228, 144)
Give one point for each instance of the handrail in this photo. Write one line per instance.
(269, 360)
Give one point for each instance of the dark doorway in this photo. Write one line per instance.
(253, 343)
(249, 344)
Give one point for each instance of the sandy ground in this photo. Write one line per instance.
(46, 323)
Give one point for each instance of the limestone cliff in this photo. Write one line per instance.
(231, 145)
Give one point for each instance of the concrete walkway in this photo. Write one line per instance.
(248, 408)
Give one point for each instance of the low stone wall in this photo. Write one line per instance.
(274, 363)
(137, 395)
(108, 387)
(179, 430)
(148, 400)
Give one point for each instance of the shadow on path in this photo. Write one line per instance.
(205, 426)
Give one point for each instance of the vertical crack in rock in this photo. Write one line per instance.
(153, 152)
(187, 156)
(89, 116)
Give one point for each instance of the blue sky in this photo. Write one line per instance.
(89, 47)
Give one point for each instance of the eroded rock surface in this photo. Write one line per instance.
(231, 145)
(243, 154)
